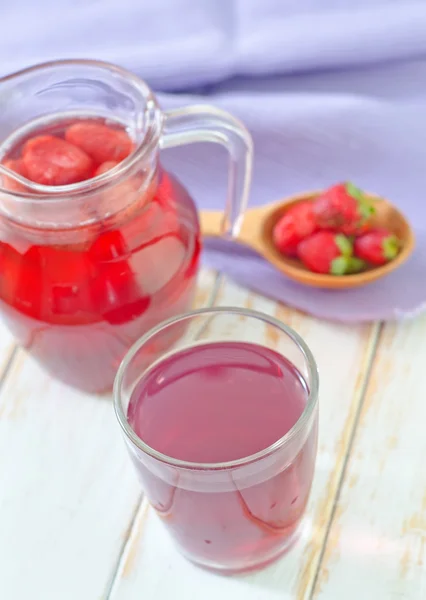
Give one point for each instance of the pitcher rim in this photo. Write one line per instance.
(151, 136)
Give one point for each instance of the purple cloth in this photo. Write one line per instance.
(330, 90)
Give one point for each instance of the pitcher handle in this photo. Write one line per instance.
(204, 123)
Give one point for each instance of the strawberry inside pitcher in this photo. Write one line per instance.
(79, 301)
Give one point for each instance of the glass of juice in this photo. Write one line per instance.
(98, 242)
(222, 430)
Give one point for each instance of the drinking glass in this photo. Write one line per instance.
(240, 514)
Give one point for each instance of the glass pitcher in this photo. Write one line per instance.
(94, 252)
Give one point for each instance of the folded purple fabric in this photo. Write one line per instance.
(330, 91)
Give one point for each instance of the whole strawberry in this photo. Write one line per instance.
(328, 252)
(343, 208)
(377, 246)
(294, 226)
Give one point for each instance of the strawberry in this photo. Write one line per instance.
(116, 293)
(343, 208)
(99, 141)
(328, 252)
(52, 161)
(18, 166)
(377, 246)
(294, 226)
(105, 166)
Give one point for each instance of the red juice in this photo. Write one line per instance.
(77, 297)
(215, 403)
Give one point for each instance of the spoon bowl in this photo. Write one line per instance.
(258, 224)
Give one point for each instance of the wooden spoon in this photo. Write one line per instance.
(256, 232)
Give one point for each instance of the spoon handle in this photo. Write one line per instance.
(211, 222)
(251, 230)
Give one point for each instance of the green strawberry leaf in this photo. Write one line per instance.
(344, 244)
(340, 265)
(354, 191)
(391, 246)
(365, 206)
(366, 209)
(356, 265)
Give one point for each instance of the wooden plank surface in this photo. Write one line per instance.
(151, 568)
(72, 524)
(377, 543)
(67, 492)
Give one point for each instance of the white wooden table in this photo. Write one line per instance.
(73, 524)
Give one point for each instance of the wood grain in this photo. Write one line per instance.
(7, 347)
(377, 542)
(150, 566)
(66, 488)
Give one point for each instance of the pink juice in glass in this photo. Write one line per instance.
(216, 403)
